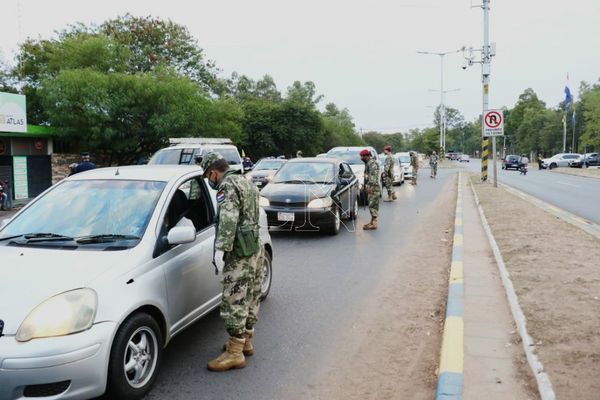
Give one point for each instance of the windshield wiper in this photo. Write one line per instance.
(107, 237)
(39, 237)
(292, 181)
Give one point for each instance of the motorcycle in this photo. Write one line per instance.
(523, 169)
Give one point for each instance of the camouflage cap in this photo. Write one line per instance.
(208, 160)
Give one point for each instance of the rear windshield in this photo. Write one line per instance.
(268, 165)
(231, 155)
(349, 156)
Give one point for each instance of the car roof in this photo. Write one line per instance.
(199, 146)
(156, 172)
(350, 148)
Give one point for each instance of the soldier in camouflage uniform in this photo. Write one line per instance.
(238, 250)
(388, 173)
(414, 162)
(433, 163)
(372, 177)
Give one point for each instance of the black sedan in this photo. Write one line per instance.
(511, 161)
(311, 194)
(264, 170)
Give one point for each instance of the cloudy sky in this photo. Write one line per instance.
(362, 54)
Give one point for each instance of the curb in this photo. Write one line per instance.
(450, 378)
(581, 223)
(543, 380)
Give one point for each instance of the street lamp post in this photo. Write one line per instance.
(443, 119)
(442, 108)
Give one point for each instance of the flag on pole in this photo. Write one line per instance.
(573, 118)
(568, 96)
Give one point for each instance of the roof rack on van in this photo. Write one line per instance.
(190, 140)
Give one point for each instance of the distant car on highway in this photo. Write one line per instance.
(511, 161)
(398, 170)
(311, 194)
(588, 160)
(464, 158)
(184, 151)
(264, 170)
(559, 160)
(350, 155)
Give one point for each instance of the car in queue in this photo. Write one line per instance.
(185, 151)
(464, 158)
(351, 155)
(511, 161)
(101, 271)
(398, 170)
(264, 170)
(311, 194)
(585, 160)
(404, 159)
(559, 160)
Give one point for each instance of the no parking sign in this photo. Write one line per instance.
(493, 123)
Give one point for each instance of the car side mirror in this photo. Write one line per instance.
(181, 235)
(345, 181)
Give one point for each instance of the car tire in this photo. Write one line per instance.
(363, 198)
(354, 212)
(267, 280)
(553, 165)
(139, 331)
(334, 227)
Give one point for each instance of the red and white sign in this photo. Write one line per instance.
(493, 123)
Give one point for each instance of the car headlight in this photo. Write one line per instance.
(322, 202)
(64, 314)
(264, 202)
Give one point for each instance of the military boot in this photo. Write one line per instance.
(394, 196)
(233, 357)
(388, 198)
(371, 225)
(248, 347)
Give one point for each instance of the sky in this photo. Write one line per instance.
(362, 55)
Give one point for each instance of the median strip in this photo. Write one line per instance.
(450, 379)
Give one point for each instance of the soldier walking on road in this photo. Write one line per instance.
(433, 163)
(388, 173)
(414, 162)
(238, 253)
(372, 177)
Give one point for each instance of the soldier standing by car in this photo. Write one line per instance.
(237, 250)
(372, 177)
(414, 162)
(433, 163)
(388, 173)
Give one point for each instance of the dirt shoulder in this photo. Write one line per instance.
(554, 269)
(591, 172)
(392, 352)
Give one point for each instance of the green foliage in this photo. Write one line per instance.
(590, 104)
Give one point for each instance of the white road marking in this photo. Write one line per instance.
(568, 184)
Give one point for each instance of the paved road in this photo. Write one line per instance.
(317, 283)
(578, 195)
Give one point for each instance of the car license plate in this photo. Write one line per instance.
(286, 217)
(258, 183)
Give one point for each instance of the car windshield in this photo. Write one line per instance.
(268, 165)
(404, 159)
(349, 156)
(231, 155)
(305, 172)
(79, 209)
(166, 156)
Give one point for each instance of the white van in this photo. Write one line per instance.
(185, 151)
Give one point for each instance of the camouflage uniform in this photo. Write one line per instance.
(372, 177)
(433, 163)
(388, 174)
(414, 162)
(237, 202)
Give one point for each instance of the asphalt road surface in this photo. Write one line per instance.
(578, 195)
(318, 281)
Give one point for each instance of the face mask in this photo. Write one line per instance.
(213, 185)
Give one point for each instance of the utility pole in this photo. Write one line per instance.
(443, 119)
(442, 108)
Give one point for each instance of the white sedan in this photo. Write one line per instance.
(559, 160)
(99, 273)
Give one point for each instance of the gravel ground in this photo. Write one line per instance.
(554, 269)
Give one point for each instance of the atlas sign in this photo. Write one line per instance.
(13, 115)
(493, 123)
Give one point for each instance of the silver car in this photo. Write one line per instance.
(559, 160)
(99, 273)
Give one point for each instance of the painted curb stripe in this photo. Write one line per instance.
(450, 378)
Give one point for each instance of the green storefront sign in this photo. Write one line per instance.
(13, 113)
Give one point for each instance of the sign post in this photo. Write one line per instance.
(493, 126)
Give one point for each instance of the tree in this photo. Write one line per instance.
(590, 103)
(338, 128)
(303, 93)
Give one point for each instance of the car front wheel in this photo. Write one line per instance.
(334, 227)
(134, 358)
(553, 165)
(265, 286)
(354, 211)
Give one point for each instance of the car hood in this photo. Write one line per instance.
(261, 173)
(30, 276)
(295, 193)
